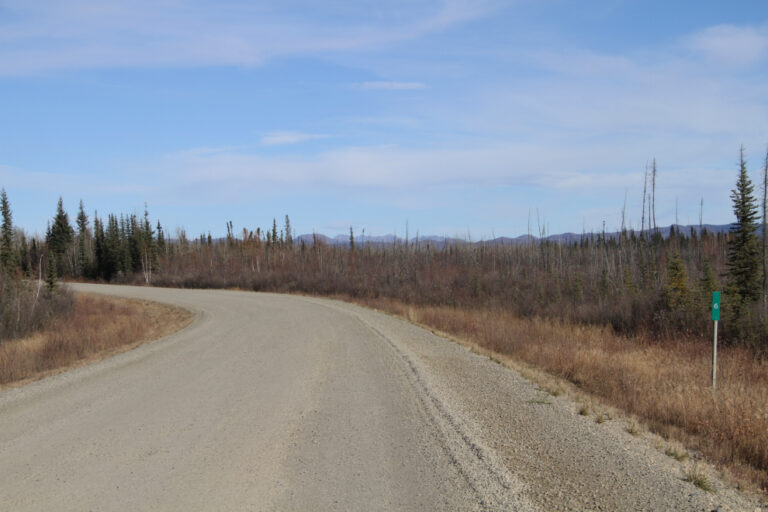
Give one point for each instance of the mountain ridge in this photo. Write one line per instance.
(567, 238)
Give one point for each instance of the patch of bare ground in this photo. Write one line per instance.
(663, 386)
(97, 328)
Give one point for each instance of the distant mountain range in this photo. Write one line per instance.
(439, 241)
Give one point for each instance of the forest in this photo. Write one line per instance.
(637, 282)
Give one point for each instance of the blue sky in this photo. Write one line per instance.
(454, 116)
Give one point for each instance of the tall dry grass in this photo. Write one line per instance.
(26, 306)
(97, 327)
(667, 384)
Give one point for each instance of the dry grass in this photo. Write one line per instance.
(97, 328)
(664, 384)
(696, 475)
(633, 427)
(677, 451)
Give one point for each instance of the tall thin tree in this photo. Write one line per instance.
(743, 252)
(82, 236)
(653, 195)
(6, 233)
(645, 194)
(765, 225)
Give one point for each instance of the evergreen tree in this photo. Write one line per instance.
(82, 236)
(112, 247)
(99, 249)
(60, 237)
(34, 256)
(743, 251)
(288, 233)
(274, 232)
(676, 294)
(124, 244)
(764, 252)
(51, 274)
(707, 282)
(7, 259)
(24, 253)
(160, 239)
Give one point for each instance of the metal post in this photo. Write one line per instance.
(715, 318)
(714, 360)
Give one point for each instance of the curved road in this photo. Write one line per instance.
(271, 402)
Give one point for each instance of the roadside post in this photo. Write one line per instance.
(715, 318)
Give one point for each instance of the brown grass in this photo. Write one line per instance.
(666, 385)
(97, 328)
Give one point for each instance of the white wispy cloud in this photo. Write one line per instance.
(395, 168)
(731, 44)
(393, 86)
(39, 36)
(281, 138)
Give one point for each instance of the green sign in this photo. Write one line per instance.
(715, 306)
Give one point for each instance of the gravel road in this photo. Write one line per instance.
(274, 402)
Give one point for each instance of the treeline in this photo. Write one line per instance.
(639, 282)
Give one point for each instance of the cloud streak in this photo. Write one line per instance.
(37, 36)
(284, 138)
(731, 44)
(393, 86)
(394, 168)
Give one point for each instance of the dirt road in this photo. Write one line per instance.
(271, 402)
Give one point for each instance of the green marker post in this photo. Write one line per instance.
(715, 318)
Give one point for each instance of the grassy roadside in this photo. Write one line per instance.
(98, 327)
(665, 385)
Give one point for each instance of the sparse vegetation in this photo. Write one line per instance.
(97, 326)
(28, 306)
(696, 475)
(541, 400)
(633, 427)
(677, 451)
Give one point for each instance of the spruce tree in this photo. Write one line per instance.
(743, 251)
(99, 248)
(82, 235)
(7, 259)
(51, 274)
(676, 295)
(34, 256)
(60, 236)
(288, 233)
(23, 253)
(764, 252)
(707, 282)
(275, 239)
(160, 240)
(113, 247)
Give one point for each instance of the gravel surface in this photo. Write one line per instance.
(271, 402)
